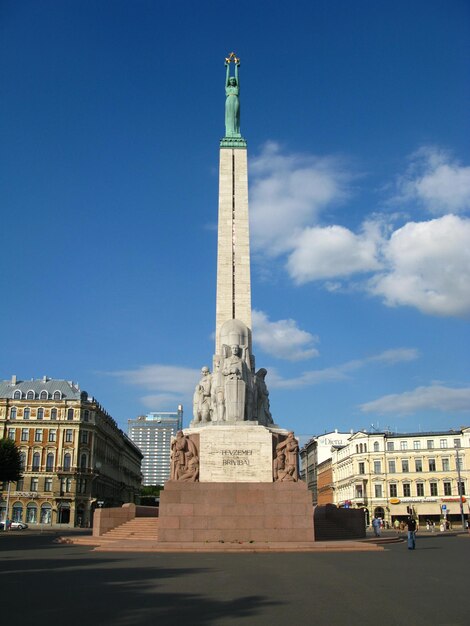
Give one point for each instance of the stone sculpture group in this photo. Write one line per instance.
(185, 459)
(234, 391)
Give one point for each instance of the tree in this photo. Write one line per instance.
(150, 495)
(10, 461)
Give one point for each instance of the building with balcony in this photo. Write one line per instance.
(391, 474)
(152, 434)
(74, 456)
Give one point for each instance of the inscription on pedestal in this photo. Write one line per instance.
(236, 454)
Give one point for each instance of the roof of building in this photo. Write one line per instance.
(68, 389)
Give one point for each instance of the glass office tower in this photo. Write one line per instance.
(152, 434)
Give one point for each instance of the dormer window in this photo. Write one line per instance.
(57, 395)
(44, 395)
(30, 395)
(17, 395)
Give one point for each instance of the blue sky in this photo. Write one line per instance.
(356, 117)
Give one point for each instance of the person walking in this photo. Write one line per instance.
(376, 523)
(411, 524)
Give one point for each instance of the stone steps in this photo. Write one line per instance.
(140, 528)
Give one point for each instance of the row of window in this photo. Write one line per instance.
(443, 443)
(51, 435)
(50, 458)
(40, 414)
(405, 465)
(46, 484)
(31, 513)
(406, 490)
(32, 395)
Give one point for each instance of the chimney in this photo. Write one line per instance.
(13, 379)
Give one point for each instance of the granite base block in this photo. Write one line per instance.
(235, 512)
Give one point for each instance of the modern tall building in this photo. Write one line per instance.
(152, 434)
(74, 456)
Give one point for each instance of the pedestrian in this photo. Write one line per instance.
(396, 525)
(376, 523)
(411, 524)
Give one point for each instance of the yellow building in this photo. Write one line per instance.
(75, 457)
(391, 474)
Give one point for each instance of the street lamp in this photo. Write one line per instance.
(460, 487)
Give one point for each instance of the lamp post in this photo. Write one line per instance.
(7, 517)
(459, 485)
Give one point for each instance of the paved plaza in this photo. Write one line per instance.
(68, 584)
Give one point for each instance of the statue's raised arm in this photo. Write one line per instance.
(232, 102)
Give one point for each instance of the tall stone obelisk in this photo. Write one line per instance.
(233, 253)
(234, 473)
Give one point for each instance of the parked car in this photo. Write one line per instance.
(14, 525)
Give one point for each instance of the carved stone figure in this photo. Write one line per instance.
(232, 102)
(261, 394)
(184, 461)
(236, 380)
(177, 456)
(217, 393)
(290, 448)
(278, 465)
(191, 471)
(202, 397)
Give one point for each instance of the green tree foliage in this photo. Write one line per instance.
(10, 461)
(150, 495)
(151, 490)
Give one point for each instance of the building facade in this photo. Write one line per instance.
(317, 450)
(390, 475)
(74, 456)
(152, 434)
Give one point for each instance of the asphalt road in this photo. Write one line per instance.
(46, 583)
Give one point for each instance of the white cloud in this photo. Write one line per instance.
(425, 264)
(283, 339)
(428, 267)
(342, 371)
(440, 184)
(161, 378)
(287, 193)
(435, 397)
(334, 251)
(397, 355)
(162, 400)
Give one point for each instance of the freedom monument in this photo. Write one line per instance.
(234, 472)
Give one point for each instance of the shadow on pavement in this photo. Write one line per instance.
(74, 585)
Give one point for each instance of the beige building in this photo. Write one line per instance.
(313, 454)
(390, 474)
(75, 457)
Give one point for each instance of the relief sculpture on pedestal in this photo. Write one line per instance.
(184, 459)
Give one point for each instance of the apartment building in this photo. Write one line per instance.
(74, 456)
(392, 474)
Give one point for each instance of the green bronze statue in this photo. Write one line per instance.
(232, 102)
